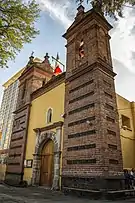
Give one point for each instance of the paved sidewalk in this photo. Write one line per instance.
(40, 195)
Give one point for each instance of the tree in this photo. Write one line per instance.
(17, 27)
(110, 7)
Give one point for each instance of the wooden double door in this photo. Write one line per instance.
(47, 164)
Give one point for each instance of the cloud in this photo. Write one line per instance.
(133, 54)
(132, 12)
(115, 27)
(133, 58)
(122, 42)
(133, 31)
(60, 10)
(124, 80)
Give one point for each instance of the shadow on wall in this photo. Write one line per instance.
(125, 80)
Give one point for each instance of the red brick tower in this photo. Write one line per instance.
(92, 155)
(33, 77)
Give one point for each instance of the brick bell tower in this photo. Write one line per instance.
(92, 157)
(34, 76)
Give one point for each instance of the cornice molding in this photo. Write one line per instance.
(49, 127)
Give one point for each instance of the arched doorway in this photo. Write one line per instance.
(47, 164)
(47, 143)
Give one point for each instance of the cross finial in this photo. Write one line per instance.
(31, 58)
(46, 57)
(80, 8)
(32, 53)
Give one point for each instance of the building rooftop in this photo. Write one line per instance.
(13, 78)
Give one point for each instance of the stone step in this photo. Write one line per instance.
(121, 194)
(97, 194)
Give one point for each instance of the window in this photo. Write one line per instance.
(28, 163)
(125, 121)
(49, 115)
(81, 49)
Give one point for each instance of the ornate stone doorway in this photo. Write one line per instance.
(46, 159)
(47, 164)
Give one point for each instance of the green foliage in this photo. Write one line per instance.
(16, 27)
(110, 7)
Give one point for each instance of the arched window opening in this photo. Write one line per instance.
(81, 49)
(49, 116)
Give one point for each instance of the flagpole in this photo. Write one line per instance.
(59, 62)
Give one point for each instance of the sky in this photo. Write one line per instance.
(56, 16)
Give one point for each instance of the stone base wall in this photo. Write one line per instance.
(93, 183)
(13, 179)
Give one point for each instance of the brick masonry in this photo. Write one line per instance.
(30, 80)
(90, 96)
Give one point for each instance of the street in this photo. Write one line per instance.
(10, 194)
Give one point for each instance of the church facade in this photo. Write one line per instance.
(66, 125)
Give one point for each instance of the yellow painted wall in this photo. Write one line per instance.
(125, 108)
(53, 99)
